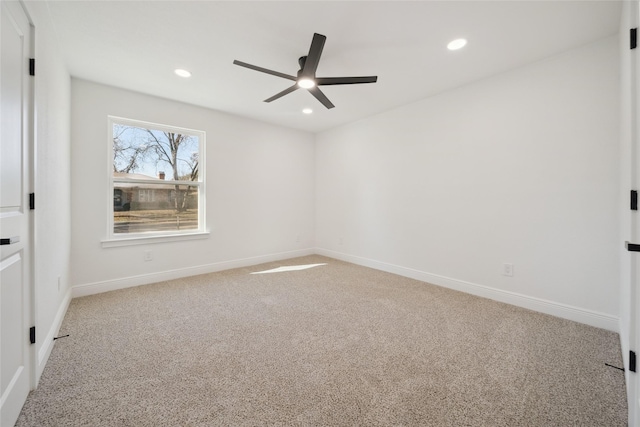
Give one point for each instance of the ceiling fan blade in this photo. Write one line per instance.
(313, 58)
(315, 91)
(281, 94)
(324, 81)
(264, 70)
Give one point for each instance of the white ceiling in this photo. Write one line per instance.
(137, 45)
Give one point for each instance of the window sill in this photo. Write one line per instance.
(147, 240)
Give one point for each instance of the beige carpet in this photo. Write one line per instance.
(333, 345)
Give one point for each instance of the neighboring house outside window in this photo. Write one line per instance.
(146, 195)
(157, 182)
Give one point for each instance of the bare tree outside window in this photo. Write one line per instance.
(160, 162)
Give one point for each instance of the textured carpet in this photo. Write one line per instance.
(336, 344)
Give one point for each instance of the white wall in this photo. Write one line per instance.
(52, 229)
(519, 168)
(259, 194)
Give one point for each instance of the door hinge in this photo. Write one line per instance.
(632, 361)
(634, 200)
(32, 335)
(32, 66)
(32, 201)
(632, 247)
(633, 38)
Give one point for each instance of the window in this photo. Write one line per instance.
(157, 182)
(147, 195)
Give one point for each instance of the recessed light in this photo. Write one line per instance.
(182, 73)
(306, 83)
(307, 111)
(457, 44)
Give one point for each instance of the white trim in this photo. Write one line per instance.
(158, 126)
(624, 348)
(145, 240)
(589, 317)
(145, 279)
(47, 341)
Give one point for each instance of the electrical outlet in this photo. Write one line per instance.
(507, 270)
(148, 255)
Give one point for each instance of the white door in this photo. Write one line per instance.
(15, 217)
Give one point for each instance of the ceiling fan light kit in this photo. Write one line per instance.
(306, 76)
(457, 44)
(306, 83)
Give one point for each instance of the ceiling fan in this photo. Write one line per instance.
(306, 77)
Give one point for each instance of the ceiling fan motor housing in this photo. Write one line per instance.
(301, 61)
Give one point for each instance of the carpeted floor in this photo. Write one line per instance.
(333, 345)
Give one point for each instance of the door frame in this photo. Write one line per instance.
(634, 333)
(631, 19)
(31, 164)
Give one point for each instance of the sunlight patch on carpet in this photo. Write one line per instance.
(289, 268)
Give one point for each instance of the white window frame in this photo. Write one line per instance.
(126, 239)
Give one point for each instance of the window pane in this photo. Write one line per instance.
(147, 207)
(143, 153)
(157, 187)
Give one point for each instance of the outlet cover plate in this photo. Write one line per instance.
(507, 270)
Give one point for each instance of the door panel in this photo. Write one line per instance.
(15, 224)
(11, 159)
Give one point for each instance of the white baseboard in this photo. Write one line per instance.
(588, 317)
(145, 279)
(47, 341)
